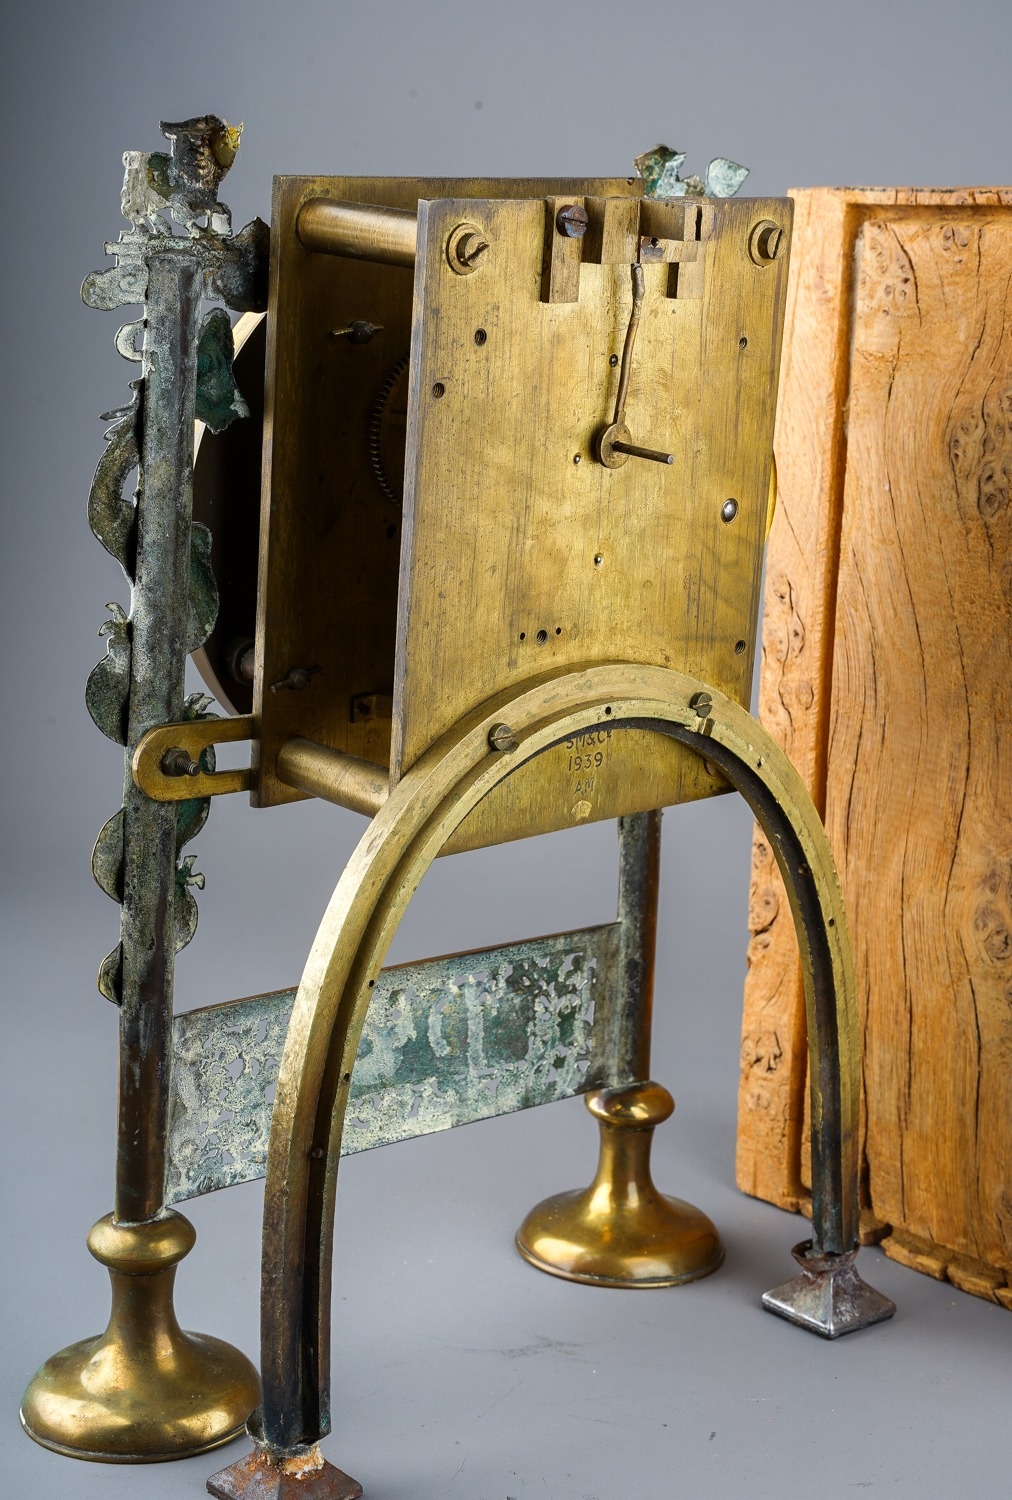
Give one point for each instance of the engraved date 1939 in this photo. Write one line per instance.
(587, 754)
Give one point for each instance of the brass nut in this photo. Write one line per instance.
(466, 249)
(766, 242)
(177, 762)
(501, 737)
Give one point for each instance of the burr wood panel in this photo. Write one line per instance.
(887, 664)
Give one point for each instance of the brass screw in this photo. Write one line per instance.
(177, 762)
(572, 221)
(358, 331)
(471, 248)
(501, 737)
(295, 680)
(702, 703)
(466, 248)
(766, 242)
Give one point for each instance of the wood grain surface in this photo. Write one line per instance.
(887, 676)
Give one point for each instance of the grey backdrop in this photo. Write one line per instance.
(458, 1371)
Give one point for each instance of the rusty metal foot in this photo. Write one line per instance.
(829, 1297)
(307, 1477)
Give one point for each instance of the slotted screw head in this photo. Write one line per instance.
(766, 242)
(702, 703)
(572, 221)
(466, 249)
(501, 737)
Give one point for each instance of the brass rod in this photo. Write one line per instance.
(358, 231)
(639, 837)
(639, 288)
(334, 776)
(636, 452)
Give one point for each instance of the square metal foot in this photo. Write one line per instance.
(829, 1296)
(309, 1477)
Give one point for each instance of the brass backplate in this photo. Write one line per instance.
(516, 552)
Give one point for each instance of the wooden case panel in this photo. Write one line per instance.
(500, 578)
(887, 663)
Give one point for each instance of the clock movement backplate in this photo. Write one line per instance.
(511, 551)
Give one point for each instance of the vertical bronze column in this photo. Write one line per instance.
(144, 1390)
(158, 663)
(621, 1231)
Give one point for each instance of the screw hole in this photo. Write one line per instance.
(439, 389)
(608, 709)
(345, 1077)
(739, 648)
(832, 922)
(558, 630)
(541, 637)
(598, 559)
(372, 984)
(743, 342)
(613, 360)
(578, 458)
(480, 336)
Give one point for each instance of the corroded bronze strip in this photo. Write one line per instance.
(446, 1041)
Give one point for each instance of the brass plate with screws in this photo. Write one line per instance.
(413, 600)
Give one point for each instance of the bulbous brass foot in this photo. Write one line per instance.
(144, 1391)
(621, 1231)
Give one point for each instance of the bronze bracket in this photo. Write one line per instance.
(169, 763)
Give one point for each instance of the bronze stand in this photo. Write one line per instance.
(543, 704)
(144, 1391)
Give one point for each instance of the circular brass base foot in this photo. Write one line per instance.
(144, 1391)
(663, 1243)
(96, 1401)
(621, 1231)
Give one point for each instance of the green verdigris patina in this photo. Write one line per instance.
(446, 1041)
(660, 169)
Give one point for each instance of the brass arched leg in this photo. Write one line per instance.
(422, 812)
